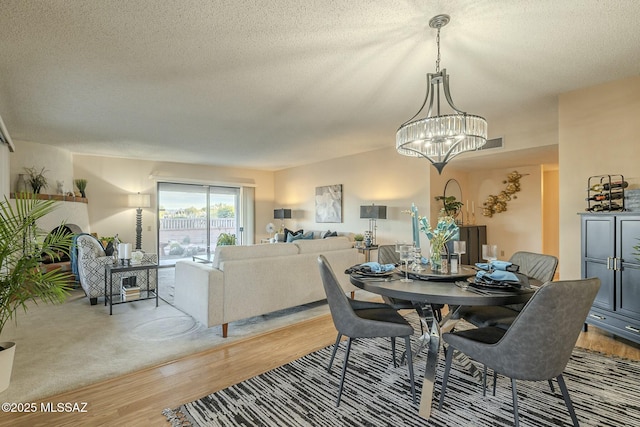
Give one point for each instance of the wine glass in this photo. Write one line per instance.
(490, 252)
(459, 247)
(399, 244)
(406, 255)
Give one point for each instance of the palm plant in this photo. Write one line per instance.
(37, 180)
(22, 246)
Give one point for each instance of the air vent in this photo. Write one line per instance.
(492, 143)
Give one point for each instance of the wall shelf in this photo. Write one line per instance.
(58, 197)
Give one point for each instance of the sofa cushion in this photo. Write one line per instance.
(226, 253)
(330, 233)
(320, 245)
(299, 236)
(288, 232)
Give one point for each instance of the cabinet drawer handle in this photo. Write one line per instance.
(608, 263)
(632, 329)
(595, 316)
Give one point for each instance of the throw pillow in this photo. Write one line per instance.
(329, 233)
(287, 232)
(300, 236)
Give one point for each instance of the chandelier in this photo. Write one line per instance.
(440, 137)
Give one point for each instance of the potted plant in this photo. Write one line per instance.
(450, 205)
(22, 246)
(82, 186)
(226, 239)
(359, 238)
(37, 180)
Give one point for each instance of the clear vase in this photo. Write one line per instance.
(22, 186)
(436, 258)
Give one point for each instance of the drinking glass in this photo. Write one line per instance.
(490, 252)
(406, 255)
(459, 247)
(399, 244)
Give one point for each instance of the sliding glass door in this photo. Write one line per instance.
(191, 217)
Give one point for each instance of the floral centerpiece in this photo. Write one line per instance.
(445, 230)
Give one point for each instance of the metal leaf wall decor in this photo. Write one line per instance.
(498, 203)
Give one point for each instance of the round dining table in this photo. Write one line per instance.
(438, 288)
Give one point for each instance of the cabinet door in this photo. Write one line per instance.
(628, 273)
(598, 251)
(605, 298)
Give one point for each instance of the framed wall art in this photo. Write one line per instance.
(329, 203)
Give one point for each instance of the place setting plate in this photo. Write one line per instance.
(464, 271)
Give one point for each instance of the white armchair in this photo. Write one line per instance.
(91, 262)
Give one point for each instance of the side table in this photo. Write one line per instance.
(366, 250)
(145, 294)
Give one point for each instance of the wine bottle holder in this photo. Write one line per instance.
(605, 193)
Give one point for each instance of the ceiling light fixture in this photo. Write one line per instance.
(440, 137)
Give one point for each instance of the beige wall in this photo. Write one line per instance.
(5, 186)
(599, 134)
(56, 161)
(520, 227)
(111, 180)
(381, 177)
(550, 212)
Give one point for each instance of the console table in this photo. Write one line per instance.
(145, 294)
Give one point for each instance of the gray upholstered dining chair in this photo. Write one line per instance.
(362, 320)
(536, 266)
(538, 344)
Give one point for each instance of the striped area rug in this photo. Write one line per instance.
(605, 392)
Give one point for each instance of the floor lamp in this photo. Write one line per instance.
(139, 201)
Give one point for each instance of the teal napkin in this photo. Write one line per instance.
(376, 267)
(498, 276)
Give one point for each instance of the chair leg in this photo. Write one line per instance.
(495, 380)
(567, 400)
(553, 389)
(333, 353)
(445, 377)
(393, 351)
(484, 382)
(344, 371)
(407, 345)
(514, 392)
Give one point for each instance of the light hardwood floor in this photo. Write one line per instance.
(138, 399)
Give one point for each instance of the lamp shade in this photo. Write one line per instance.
(282, 213)
(139, 200)
(373, 212)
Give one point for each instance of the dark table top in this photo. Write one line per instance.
(438, 291)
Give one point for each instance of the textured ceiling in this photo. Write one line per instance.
(273, 84)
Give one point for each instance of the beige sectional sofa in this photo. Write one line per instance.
(246, 281)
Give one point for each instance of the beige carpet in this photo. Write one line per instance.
(63, 347)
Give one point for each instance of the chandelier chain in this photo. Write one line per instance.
(438, 57)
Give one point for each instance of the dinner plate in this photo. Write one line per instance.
(369, 274)
(481, 285)
(426, 274)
